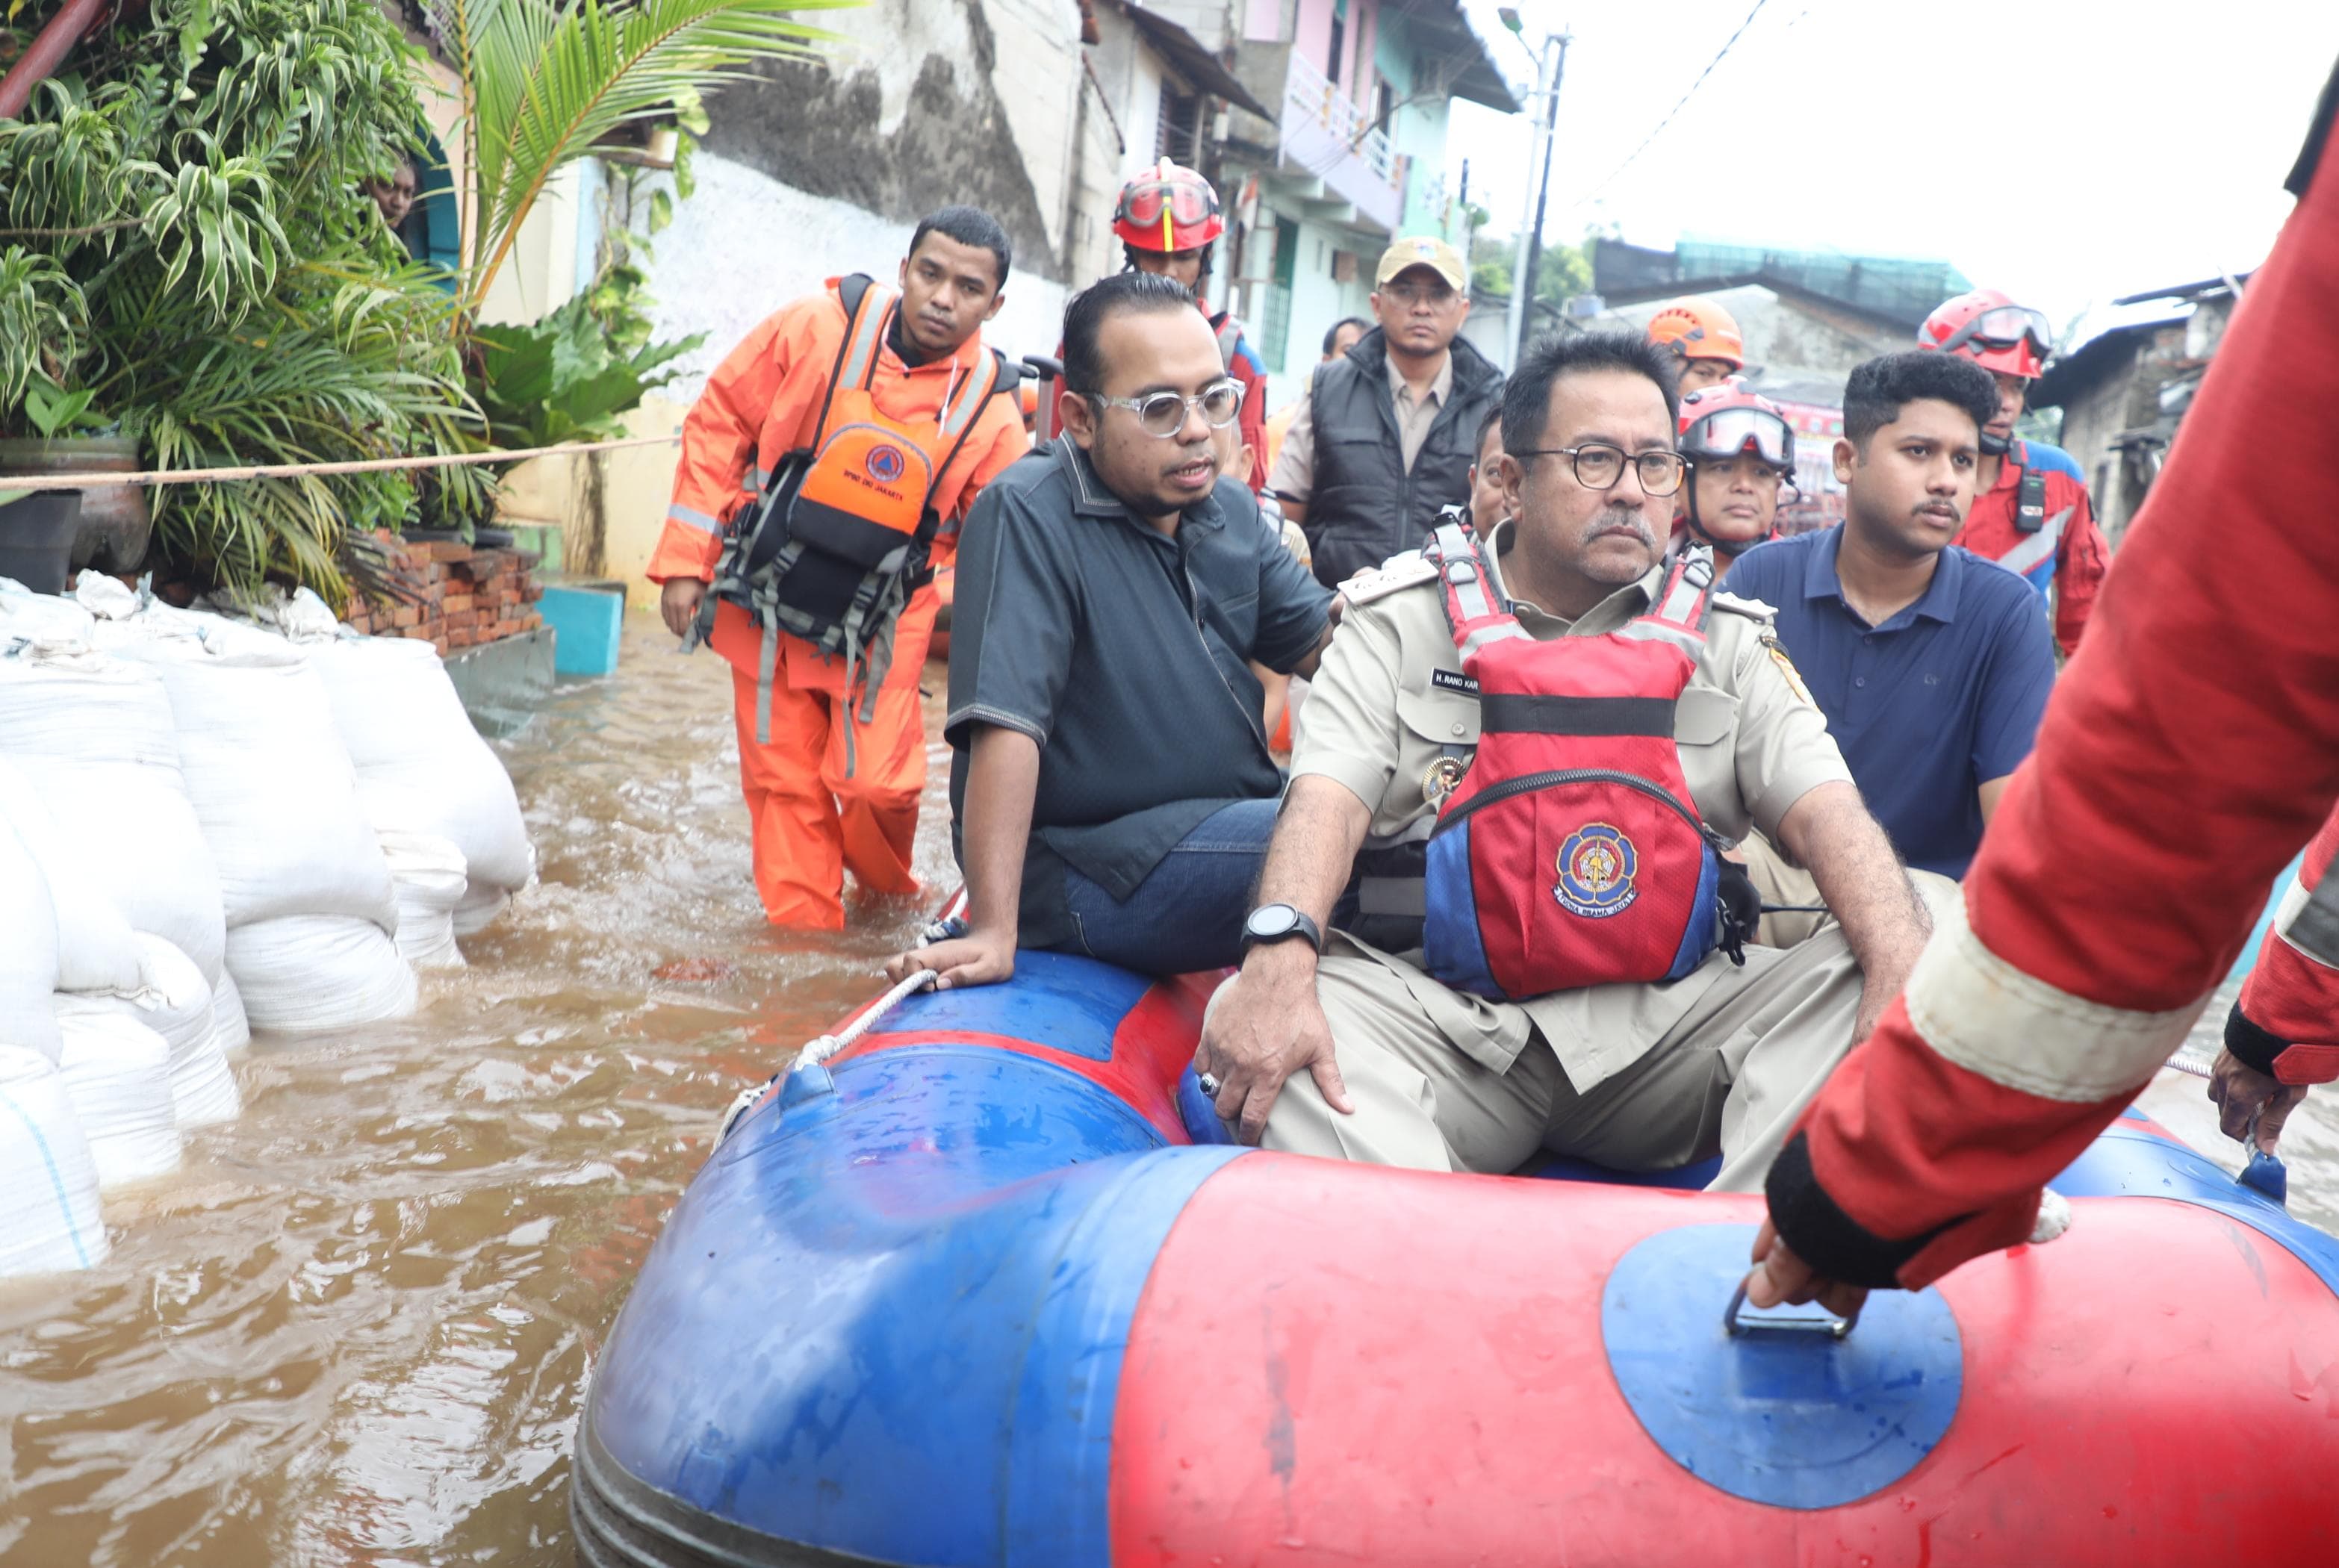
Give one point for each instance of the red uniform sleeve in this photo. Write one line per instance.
(2286, 1022)
(2082, 560)
(2190, 750)
(1253, 422)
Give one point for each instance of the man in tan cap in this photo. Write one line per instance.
(1386, 439)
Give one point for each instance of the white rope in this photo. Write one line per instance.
(2187, 1064)
(828, 1045)
(293, 471)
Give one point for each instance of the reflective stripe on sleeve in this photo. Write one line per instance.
(690, 517)
(2038, 548)
(1983, 1014)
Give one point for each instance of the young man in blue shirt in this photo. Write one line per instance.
(1931, 663)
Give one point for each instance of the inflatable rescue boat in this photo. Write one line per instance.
(988, 1286)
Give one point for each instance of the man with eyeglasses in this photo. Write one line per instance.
(1385, 440)
(2030, 510)
(1932, 666)
(1111, 789)
(1437, 1049)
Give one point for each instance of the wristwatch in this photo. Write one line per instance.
(1277, 922)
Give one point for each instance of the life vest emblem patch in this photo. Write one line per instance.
(885, 464)
(1597, 868)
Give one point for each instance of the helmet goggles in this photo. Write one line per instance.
(1144, 202)
(2004, 327)
(1723, 434)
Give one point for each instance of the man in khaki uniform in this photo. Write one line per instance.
(1361, 1054)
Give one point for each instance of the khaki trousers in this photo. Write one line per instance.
(1730, 1075)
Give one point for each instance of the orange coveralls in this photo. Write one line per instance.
(810, 821)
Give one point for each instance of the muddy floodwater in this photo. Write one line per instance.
(357, 1327)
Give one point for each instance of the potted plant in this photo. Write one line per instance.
(68, 437)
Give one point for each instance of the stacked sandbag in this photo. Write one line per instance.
(97, 949)
(422, 768)
(173, 999)
(310, 910)
(29, 951)
(229, 1024)
(117, 1074)
(93, 736)
(49, 1219)
(429, 874)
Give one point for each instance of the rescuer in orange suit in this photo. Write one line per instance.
(836, 784)
(2192, 748)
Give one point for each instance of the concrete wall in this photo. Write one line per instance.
(925, 102)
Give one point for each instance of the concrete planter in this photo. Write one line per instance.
(116, 521)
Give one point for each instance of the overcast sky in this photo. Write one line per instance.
(2066, 150)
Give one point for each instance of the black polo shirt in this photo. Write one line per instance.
(1125, 654)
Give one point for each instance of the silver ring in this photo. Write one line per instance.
(1209, 1083)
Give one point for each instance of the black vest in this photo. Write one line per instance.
(1363, 506)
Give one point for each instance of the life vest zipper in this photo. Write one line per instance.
(1556, 776)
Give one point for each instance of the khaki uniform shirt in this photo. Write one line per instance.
(1295, 465)
(1380, 719)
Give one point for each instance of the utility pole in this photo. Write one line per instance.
(1550, 65)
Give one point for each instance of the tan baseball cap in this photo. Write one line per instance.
(1422, 251)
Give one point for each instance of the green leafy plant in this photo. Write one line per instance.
(564, 379)
(543, 81)
(54, 411)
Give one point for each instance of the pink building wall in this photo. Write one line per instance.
(1312, 37)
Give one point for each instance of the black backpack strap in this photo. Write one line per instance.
(2030, 502)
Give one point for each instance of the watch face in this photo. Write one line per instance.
(1273, 921)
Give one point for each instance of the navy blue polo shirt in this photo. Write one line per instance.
(1125, 653)
(1929, 706)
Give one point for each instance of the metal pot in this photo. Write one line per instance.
(116, 522)
(36, 537)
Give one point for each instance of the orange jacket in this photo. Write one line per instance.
(763, 402)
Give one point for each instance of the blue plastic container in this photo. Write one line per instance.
(586, 619)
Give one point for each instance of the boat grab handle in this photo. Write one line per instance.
(1735, 1321)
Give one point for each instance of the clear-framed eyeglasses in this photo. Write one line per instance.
(1163, 414)
(1598, 465)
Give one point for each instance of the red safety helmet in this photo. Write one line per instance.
(1991, 330)
(1168, 208)
(1697, 328)
(1717, 423)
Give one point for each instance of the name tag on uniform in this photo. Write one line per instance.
(1454, 681)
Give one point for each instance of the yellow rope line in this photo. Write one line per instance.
(288, 470)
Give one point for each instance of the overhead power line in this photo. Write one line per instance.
(1719, 57)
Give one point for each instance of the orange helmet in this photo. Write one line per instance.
(1697, 328)
(1991, 330)
(1169, 207)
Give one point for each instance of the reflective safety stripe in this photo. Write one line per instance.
(692, 518)
(868, 329)
(1978, 1011)
(2308, 921)
(2038, 548)
(756, 481)
(972, 391)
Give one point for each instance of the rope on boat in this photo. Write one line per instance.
(2187, 1065)
(817, 1051)
(92, 481)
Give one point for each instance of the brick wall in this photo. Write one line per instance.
(451, 595)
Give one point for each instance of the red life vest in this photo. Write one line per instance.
(1572, 853)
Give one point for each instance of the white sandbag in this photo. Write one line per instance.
(97, 949)
(422, 768)
(481, 908)
(230, 1026)
(94, 736)
(270, 780)
(427, 874)
(106, 598)
(28, 952)
(298, 615)
(42, 620)
(49, 1222)
(117, 1073)
(309, 972)
(173, 999)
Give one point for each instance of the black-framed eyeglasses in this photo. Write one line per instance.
(1163, 414)
(1598, 465)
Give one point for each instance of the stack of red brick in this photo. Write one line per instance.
(457, 597)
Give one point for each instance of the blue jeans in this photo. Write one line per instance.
(1187, 914)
